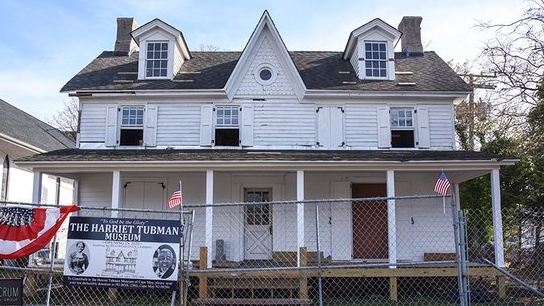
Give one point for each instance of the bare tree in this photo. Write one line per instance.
(516, 54)
(510, 68)
(67, 118)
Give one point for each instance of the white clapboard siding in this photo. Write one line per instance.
(430, 216)
(93, 123)
(361, 123)
(354, 60)
(284, 123)
(95, 190)
(178, 125)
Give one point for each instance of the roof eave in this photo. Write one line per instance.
(324, 93)
(21, 144)
(219, 165)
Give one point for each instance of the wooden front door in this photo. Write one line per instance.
(369, 222)
(258, 224)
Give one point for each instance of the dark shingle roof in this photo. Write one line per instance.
(80, 155)
(112, 71)
(19, 125)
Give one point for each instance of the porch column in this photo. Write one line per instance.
(37, 187)
(75, 192)
(300, 213)
(209, 215)
(391, 218)
(497, 217)
(116, 193)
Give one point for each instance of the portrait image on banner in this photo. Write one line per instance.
(122, 253)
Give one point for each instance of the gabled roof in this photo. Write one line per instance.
(157, 24)
(319, 70)
(265, 25)
(25, 130)
(374, 25)
(308, 71)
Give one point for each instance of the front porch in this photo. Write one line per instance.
(279, 282)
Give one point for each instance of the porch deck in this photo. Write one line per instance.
(275, 283)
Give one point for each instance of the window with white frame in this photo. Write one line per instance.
(132, 125)
(376, 59)
(227, 126)
(402, 127)
(156, 63)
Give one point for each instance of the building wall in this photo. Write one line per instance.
(278, 123)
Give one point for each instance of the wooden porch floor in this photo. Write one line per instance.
(278, 283)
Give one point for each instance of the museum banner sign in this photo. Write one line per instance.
(123, 253)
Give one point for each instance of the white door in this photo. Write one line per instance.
(258, 224)
(144, 194)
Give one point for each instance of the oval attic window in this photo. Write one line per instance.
(265, 74)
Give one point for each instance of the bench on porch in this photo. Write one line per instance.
(267, 287)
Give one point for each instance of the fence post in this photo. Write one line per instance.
(463, 301)
(465, 285)
(203, 279)
(318, 256)
(393, 289)
(303, 281)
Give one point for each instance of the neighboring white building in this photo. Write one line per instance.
(23, 135)
(274, 124)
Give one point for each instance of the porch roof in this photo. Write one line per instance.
(460, 165)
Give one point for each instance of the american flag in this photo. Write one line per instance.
(24, 230)
(442, 184)
(175, 199)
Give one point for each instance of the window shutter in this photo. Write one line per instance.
(330, 127)
(247, 126)
(111, 125)
(337, 127)
(424, 138)
(323, 127)
(206, 125)
(150, 131)
(384, 130)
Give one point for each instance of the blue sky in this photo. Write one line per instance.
(43, 43)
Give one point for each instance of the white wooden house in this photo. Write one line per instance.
(23, 135)
(274, 124)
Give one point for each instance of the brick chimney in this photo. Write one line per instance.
(410, 26)
(124, 42)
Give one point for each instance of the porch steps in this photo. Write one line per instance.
(253, 291)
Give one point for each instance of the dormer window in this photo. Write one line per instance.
(370, 50)
(156, 64)
(162, 50)
(376, 59)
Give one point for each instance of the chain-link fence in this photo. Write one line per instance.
(365, 251)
